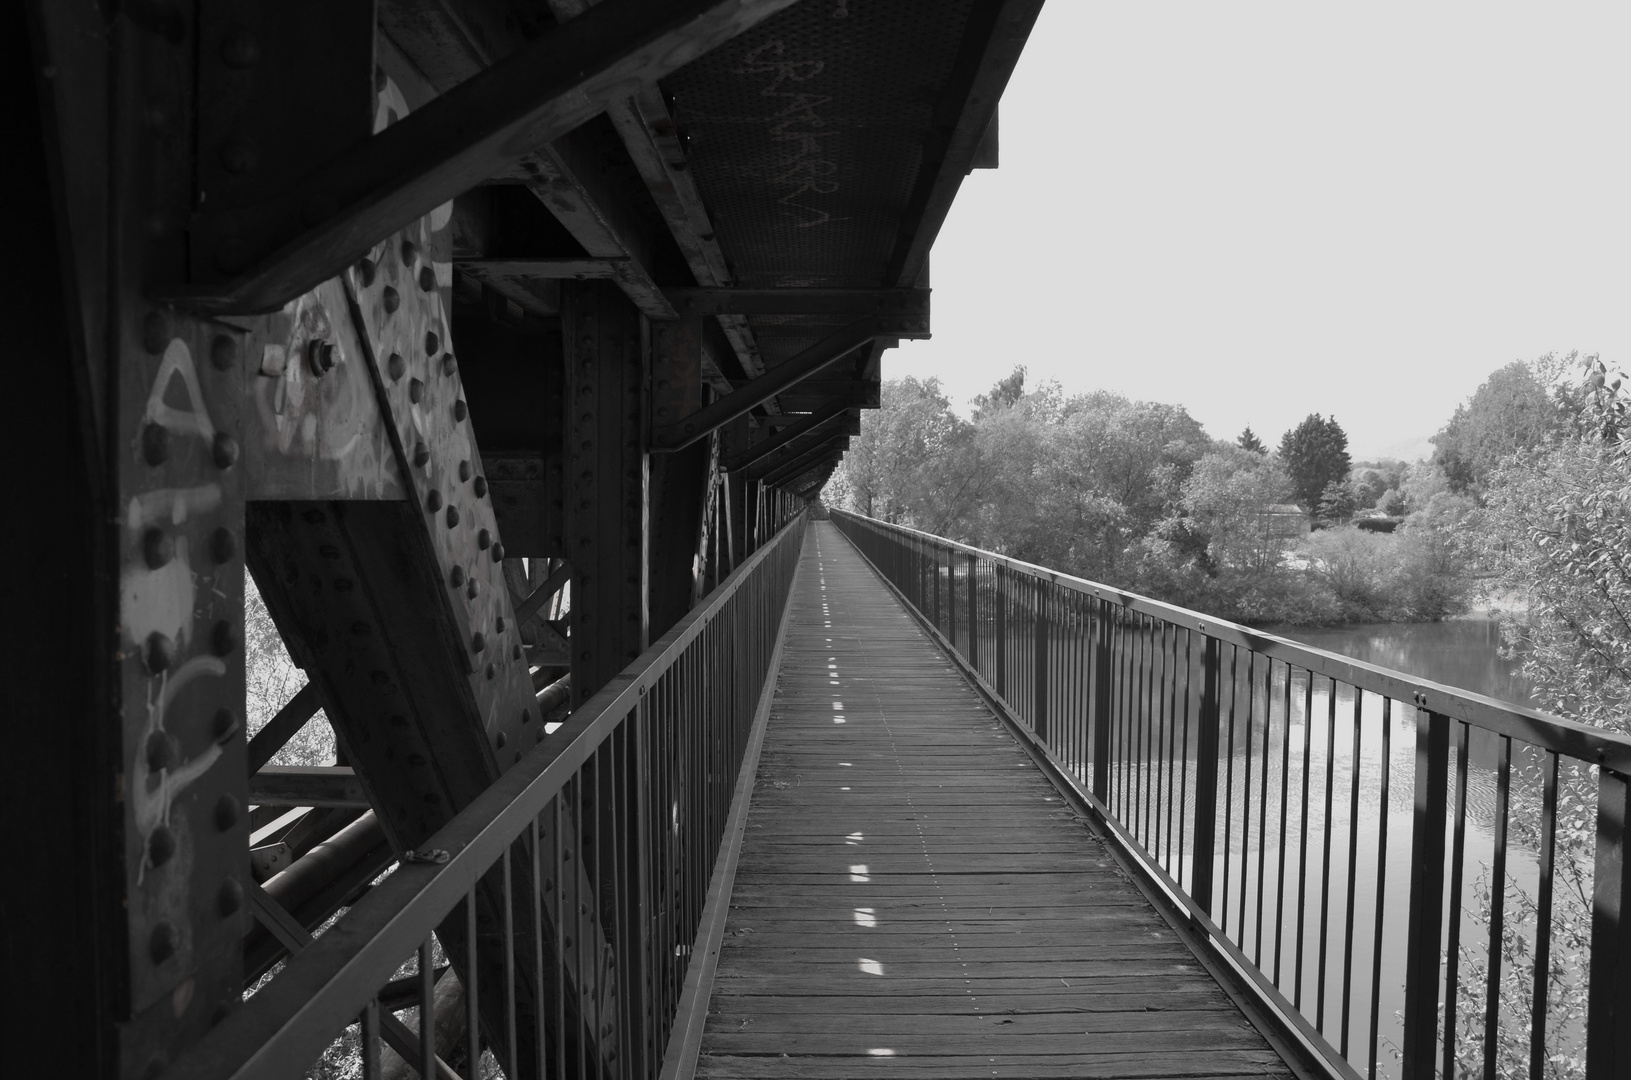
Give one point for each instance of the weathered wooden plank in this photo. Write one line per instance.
(913, 895)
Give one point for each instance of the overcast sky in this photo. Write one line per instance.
(1260, 210)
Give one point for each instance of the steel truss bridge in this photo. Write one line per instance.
(500, 347)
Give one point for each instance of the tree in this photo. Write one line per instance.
(1337, 503)
(1003, 395)
(1231, 497)
(1509, 412)
(1248, 440)
(912, 463)
(1315, 453)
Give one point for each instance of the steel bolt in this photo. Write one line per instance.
(456, 576)
(394, 366)
(226, 812)
(433, 501)
(433, 344)
(473, 589)
(365, 272)
(161, 944)
(478, 641)
(449, 365)
(464, 471)
(224, 352)
(223, 545)
(320, 356)
(427, 279)
(155, 444)
(391, 300)
(410, 252)
(156, 332)
(240, 49)
(515, 654)
(223, 638)
(161, 751)
(452, 517)
(239, 155)
(416, 391)
(499, 624)
(161, 845)
(159, 653)
(484, 539)
(230, 897)
(492, 672)
(526, 714)
(157, 548)
(224, 449)
(481, 487)
(460, 410)
(421, 456)
(498, 553)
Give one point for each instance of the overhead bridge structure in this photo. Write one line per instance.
(480, 360)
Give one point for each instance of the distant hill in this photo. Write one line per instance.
(1418, 449)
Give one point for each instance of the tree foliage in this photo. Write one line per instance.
(1510, 412)
(1248, 440)
(1315, 454)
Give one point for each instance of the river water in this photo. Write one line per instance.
(1292, 774)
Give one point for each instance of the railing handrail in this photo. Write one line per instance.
(329, 982)
(1548, 731)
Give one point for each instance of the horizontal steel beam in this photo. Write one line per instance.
(796, 467)
(856, 302)
(307, 785)
(801, 447)
(788, 373)
(551, 269)
(786, 435)
(482, 126)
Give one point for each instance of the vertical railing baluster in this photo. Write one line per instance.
(1353, 870)
(1608, 1009)
(1206, 775)
(951, 598)
(1101, 701)
(472, 986)
(1325, 856)
(973, 648)
(1381, 884)
(1452, 948)
(1497, 908)
(368, 1030)
(1040, 709)
(1422, 967)
(1001, 573)
(1543, 922)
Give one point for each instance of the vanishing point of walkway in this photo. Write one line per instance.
(912, 894)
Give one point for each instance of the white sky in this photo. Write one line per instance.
(1260, 210)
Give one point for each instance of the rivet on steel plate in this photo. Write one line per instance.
(421, 456)
(478, 641)
(452, 517)
(157, 548)
(395, 366)
(433, 501)
(456, 576)
(391, 300)
(161, 944)
(416, 391)
(433, 344)
(481, 487)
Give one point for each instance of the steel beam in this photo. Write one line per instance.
(477, 129)
(788, 373)
(855, 303)
(802, 426)
(793, 468)
(840, 426)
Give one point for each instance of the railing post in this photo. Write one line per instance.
(934, 578)
(1608, 1010)
(1040, 721)
(1002, 629)
(1102, 699)
(1206, 775)
(1422, 959)
(951, 596)
(973, 647)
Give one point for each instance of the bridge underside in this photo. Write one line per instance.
(913, 894)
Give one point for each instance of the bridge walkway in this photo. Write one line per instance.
(912, 894)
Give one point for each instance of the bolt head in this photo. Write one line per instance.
(162, 942)
(449, 365)
(161, 751)
(224, 449)
(433, 501)
(478, 641)
(416, 391)
(240, 49)
(452, 517)
(157, 330)
(157, 548)
(433, 344)
(227, 812)
(395, 366)
(421, 456)
(229, 897)
(391, 300)
(365, 272)
(427, 279)
(460, 410)
(410, 253)
(240, 156)
(481, 487)
(484, 539)
(498, 553)
(161, 845)
(155, 444)
(158, 653)
(224, 352)
(473, 589)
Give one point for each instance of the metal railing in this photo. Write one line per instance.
(1418, 880)
(566, 898)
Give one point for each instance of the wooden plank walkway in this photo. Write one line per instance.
(913, 895)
